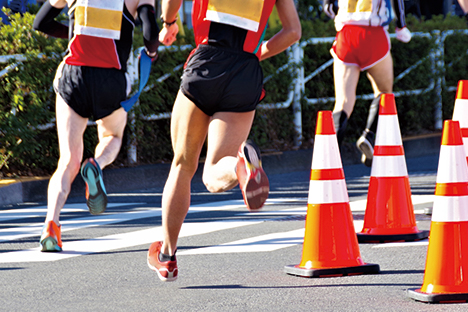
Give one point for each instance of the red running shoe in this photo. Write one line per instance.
(51, 238)
(253, 181)
(167, 271)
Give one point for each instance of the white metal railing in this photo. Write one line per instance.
(297, 87)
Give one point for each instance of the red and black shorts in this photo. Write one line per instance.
(222, 80)
(362, 46)
(91, 91)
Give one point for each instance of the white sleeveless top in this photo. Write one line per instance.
(363, 12)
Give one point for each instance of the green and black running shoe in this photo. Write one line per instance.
(96, 196)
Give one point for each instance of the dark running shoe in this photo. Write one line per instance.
(96, 196)
(253, 181)
(365, 144)
(167, 270)
(51, 237)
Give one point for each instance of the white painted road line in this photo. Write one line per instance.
(360, 205)
(263, 243)
(282, 212)
(41, 211)
(423, 242)
(268, 242)
(116, 241)
(422, 199)
(35, 229)
(358, 225)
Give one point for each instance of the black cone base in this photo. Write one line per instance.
(372, 238)
(417, 295)
(367, 268)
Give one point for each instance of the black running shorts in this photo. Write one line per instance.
(91, 91)
(222, 80)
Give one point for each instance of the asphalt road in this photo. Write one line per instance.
(229, 259)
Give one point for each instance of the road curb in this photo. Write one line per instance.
(154, 176)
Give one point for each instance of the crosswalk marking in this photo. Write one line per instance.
(41, 211)
(360, 205)
(116, 241)
(35, 229)
(268, 242)
(423, 242)
(262, 243)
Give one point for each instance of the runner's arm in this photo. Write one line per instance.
(464, 5)
(45, 19)
(288, 35)
(399, 8)
(329, 8)
(150, 29)
(403, 34)
(169, 9)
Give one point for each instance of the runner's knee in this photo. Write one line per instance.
(212, 188)
(216, 185)
(110, 137)
(188, 166)
(71, 165)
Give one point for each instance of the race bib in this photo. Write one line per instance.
(244, 14)
(359, 6)
(98, 18)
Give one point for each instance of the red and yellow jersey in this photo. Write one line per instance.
(236, 24)
(102, 34)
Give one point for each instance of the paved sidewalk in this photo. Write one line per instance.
(34, 189)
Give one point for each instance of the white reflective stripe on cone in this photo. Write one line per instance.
(326, 153)
(450, 155)
(389, 166)
(460, 112)
(450, 209)
(465, 144)
(327, 192)
(388, 131)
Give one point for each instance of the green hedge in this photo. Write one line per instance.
(27, 99)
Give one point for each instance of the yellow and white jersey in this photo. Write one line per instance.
(363, 12)
(244, 14)
(98, 18)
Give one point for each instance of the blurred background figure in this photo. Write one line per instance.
(413, 7)
(430, 8)
(362, 43)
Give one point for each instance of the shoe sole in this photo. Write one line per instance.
(367, 151)
(97, 203)
(162, 278)
(49, 244)
(257, 188)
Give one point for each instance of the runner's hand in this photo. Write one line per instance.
(168, 34)
(403, 34)
(329, 8)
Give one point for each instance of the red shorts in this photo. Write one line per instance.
(362, 46)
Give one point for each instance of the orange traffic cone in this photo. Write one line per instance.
(330, 245)
(446, 274)
(460, 112)
(389, 212)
